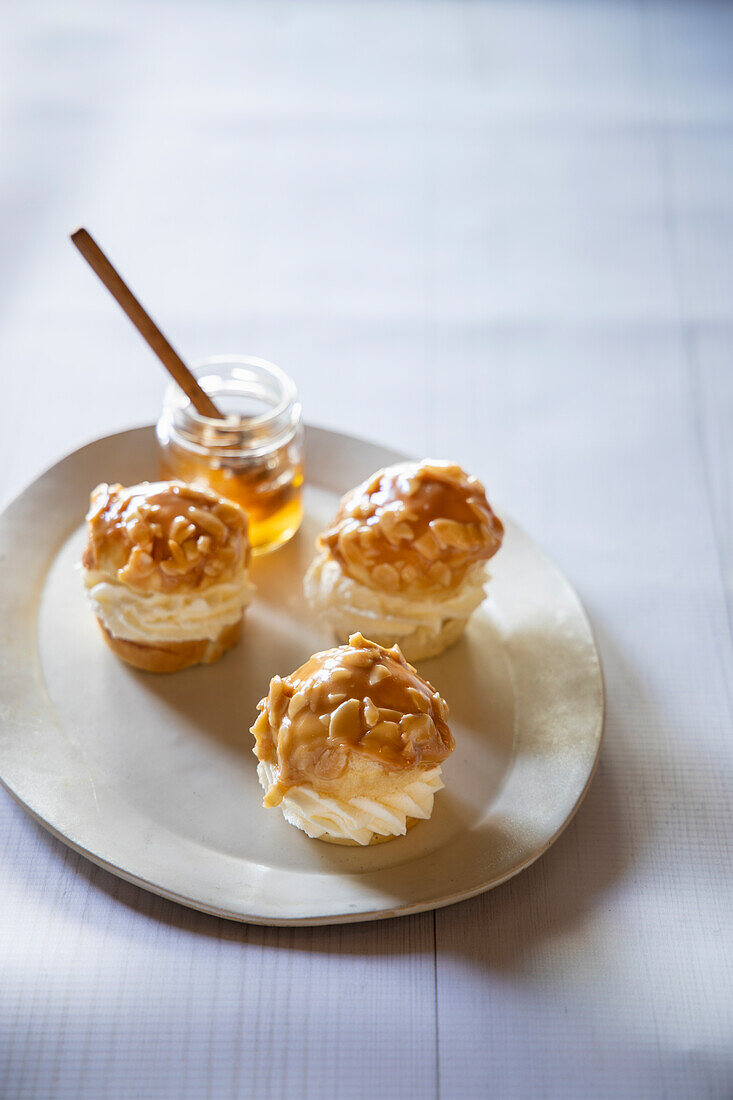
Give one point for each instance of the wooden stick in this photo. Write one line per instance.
(144, 324)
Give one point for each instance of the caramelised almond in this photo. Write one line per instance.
(385, 731)
(346, 721)
(296, 704)
(177, 554)
(427, 546)
(440, 705)
(358, 658)
(171, 568)
(340, 674)
(417, 729)
(371, 713)
(191, 550)
(418, 699)
(181, 529)
(448, 532)
(207, 522)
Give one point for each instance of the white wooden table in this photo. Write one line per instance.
(498, 232)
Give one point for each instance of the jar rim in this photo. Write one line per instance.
(287, 386)
(247, 436)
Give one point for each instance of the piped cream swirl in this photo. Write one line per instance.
(159, 617)
(357, 819)
(389, 617)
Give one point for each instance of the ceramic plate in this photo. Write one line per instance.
(153, 777)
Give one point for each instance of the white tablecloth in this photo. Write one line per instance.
(500, 232)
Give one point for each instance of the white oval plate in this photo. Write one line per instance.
(153, 777)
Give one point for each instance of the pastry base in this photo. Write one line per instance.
(376, 837)
(172, 656)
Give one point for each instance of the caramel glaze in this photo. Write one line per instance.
(356, 699)
(165, 536)
(413, 529)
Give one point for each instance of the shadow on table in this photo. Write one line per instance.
(498, 930)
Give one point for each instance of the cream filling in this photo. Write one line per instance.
(349, 605)
(356, 819)
(152, 617)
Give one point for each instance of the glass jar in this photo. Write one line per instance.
(254, 456)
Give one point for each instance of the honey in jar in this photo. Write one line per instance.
(253, 456)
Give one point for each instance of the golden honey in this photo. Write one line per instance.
(254, 456)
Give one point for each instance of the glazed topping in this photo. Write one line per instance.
(414, 528)
(357, 698)
(165, 535)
